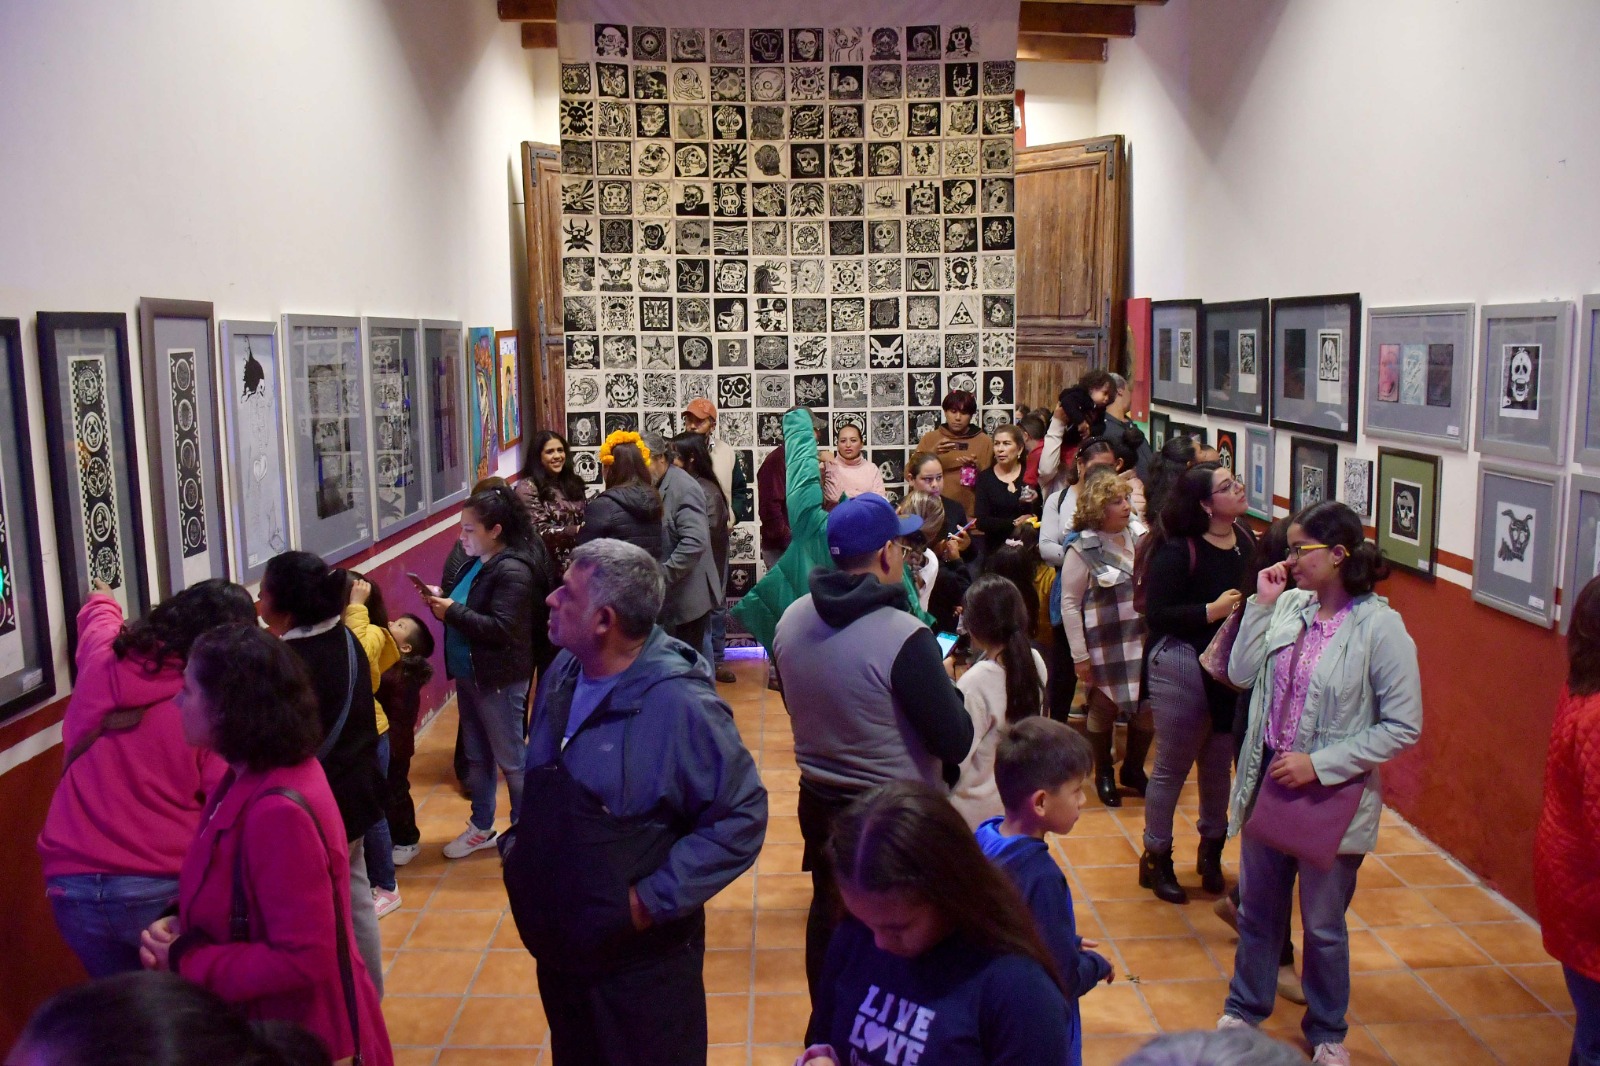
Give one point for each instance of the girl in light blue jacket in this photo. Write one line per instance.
(1349, 701)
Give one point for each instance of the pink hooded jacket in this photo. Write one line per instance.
(131, 804)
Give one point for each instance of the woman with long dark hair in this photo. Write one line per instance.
(1176, 457)
(264, 904)
(131, 791)
(1001, 495)
(1336, 694)
(495, 637)
(936, 926)
(554, 495)
(1197, 565)
(1000, 689)
(630, 508)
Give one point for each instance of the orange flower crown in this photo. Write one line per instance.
(622, 436)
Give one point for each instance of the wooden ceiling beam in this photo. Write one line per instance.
(526, 10)
(538, 35)
(1057, 49)
(1083, 20)
(1118, 3)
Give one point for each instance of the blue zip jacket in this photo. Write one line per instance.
(663, 744)
(1027, 861)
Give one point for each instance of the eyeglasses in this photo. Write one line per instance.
(1232, 485)
(1297, 550)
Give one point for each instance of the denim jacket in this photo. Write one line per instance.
(1363, 705)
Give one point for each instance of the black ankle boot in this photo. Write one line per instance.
(1156, 874)
(1105, 779)
(1133, 776)
(1208, 864)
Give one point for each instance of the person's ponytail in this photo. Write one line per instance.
(994, 613)
(1023, 685)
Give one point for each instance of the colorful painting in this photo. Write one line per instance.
(510, 378)
(485, 449)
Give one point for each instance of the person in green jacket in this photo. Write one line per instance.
(761, 607)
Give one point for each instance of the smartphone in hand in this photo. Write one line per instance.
(422, 587)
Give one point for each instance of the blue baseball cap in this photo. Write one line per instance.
(865, 523)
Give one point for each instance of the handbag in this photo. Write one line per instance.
(1214, 660)
(1307, 823)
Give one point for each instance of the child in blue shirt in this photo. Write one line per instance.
(1041, 767)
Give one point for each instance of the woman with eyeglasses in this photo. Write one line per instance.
(1198, 561)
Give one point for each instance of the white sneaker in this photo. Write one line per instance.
(471, 839)
(384, 901)
(1230, 1021)
(1331, 1055)
(404, 853)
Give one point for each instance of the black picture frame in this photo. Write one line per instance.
(1300, 450)
(1290, 409)
(25, 604)
(1175, 317)
(1233, 318)
(64, 465)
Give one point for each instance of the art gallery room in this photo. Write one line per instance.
(298, 276)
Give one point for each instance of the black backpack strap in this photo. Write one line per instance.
(239, 920)
(332, 738)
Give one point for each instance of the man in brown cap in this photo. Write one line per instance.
(700, 416)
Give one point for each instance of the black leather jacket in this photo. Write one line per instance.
(505, 619)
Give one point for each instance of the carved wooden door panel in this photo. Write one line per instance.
(546, 364)
(1072, 256)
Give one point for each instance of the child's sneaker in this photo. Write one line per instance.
(1331, 1055)
(471, 839)
(1233, 1021)
(404, 853)
(384, 901)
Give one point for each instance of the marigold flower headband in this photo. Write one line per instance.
(622, 436)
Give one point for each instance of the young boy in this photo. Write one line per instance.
(1041, 768)
(400, 692)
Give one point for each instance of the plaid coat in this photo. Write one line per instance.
(1112, 628)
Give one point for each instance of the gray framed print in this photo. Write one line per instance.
(1586, 446)
(94, 466)
(1177, 369)
(1315, 372)
(27, 664)
(328, 443)
(1522, 381)
(1419, 373)
(1313, 472)
(1582, 553)
(1514, 565)
(1259, 446)
(181, 424)
(1408, 510)
(1236, 373)
(444, 386)
(394, 374)
(250, 371)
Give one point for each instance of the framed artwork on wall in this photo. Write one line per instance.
(1522, 381)
(1176, 357)
(1228, 449)
(1355, 486)
(1586, 446)
(1313, 468)
(1583, 541)
(1259, 447)
(182, 423)
(1408, 510)
(1315, 372)
(481, 401)
(27, 666)
(1236, 374)
(509, 393)
(1160, 429)
(1514, 565)
(444, 382)
(251, 373)
(1419, 373)
(328, 440)
(1198, 434)
(394, 379)
(94, 468)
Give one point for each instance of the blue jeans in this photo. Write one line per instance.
(380, 847)
(1586, 1034)
(101, 916)
(719, 633)
(1266, 896)
(492, 733)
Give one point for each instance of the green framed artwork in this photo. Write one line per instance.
(1408, 510)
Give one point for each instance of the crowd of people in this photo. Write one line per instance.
(957, 663)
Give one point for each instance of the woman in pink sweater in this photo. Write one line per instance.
(130, 797)
(847, 473)
(264, 896)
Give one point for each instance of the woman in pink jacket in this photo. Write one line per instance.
(264, 896)
(130, 798)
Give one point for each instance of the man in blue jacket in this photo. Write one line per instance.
(640, 803)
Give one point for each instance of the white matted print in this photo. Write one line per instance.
(1355, 490)
(1514, 527)
(1519, 380)
(1330, 366)
(1405, 511)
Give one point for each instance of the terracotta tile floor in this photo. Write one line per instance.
(1442, 971)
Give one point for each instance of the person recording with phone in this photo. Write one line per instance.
(962, 448)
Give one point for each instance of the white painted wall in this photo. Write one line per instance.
(359, 157)
(1419, 152)
(1059, 100)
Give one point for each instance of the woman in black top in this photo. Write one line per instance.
(302, 601)
(630, 508)
(924, 473)
(1198, 562)
(1002, 495)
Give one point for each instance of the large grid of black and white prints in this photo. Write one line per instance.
(765, 216)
